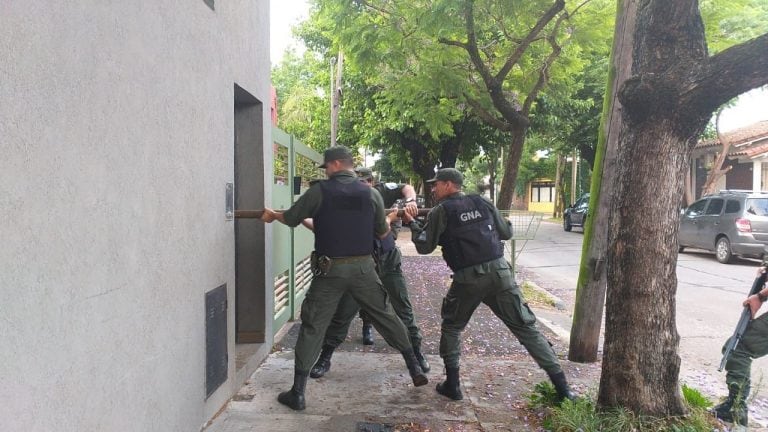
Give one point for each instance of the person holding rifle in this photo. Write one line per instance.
(390, 193)
(389, 269)
(752, 344)
(345, 214)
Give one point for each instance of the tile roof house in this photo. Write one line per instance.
(747, 156)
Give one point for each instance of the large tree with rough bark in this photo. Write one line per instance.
(673, 88)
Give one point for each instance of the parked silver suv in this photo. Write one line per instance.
(728, 223)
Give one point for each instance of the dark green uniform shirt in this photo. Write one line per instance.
(309, 203)
(390, 192)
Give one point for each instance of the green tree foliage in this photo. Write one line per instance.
(538, 161)
(727, 23)
(302, 85)
(367, 119)
(430, 59)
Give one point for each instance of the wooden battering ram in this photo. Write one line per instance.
(256, 214)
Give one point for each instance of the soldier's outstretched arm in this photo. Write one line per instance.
(426, 237)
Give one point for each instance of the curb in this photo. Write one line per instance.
(559, 303)
(559, 331)
(541, 314)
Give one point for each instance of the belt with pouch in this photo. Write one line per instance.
(349, 259)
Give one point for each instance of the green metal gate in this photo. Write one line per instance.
(294, 166)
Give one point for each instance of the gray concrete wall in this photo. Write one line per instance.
(116, 141)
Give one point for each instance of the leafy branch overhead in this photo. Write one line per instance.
(430, 60)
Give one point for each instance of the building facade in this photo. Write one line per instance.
(130, 133)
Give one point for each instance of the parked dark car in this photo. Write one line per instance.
(576, 214)
(728, 223)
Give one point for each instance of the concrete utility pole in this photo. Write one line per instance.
(591, 286)
(336, 97)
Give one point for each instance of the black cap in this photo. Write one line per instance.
(336, 153)
(448, 174)
(364, 173)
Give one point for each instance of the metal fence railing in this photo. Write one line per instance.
(524, 226)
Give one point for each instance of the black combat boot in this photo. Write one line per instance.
(367, 334)
(740, 414)
(323, 363)
(737, 413)
(734, 408)
(294, 398)
(723, 409)
(422, 360)
(561, 386)
(451, 388)
(417, 375)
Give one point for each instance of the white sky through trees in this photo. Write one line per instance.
(751, 107)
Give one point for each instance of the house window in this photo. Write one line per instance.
(542, 191)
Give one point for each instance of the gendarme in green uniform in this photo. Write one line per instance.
(470, 230)
(752, 345)
(391, 275)
(345, 214)
(357, 277)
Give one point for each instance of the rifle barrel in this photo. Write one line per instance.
(744, 319)
(401, 212)
(248, 214)
(746, 316)
(256, 214)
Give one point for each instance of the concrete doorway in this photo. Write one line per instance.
(250, 262)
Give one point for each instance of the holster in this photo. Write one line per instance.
(321, 264)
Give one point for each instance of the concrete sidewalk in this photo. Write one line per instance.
(373, 392)
(368, 387)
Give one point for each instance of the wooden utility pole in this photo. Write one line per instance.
(591, 285)
(336, 97)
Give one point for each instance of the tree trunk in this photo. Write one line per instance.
(423, 164)
(674, 89)
(507, 188)
(688, 188)
(491, 161)
(717, 171)
(557, 209)
(641, 365)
